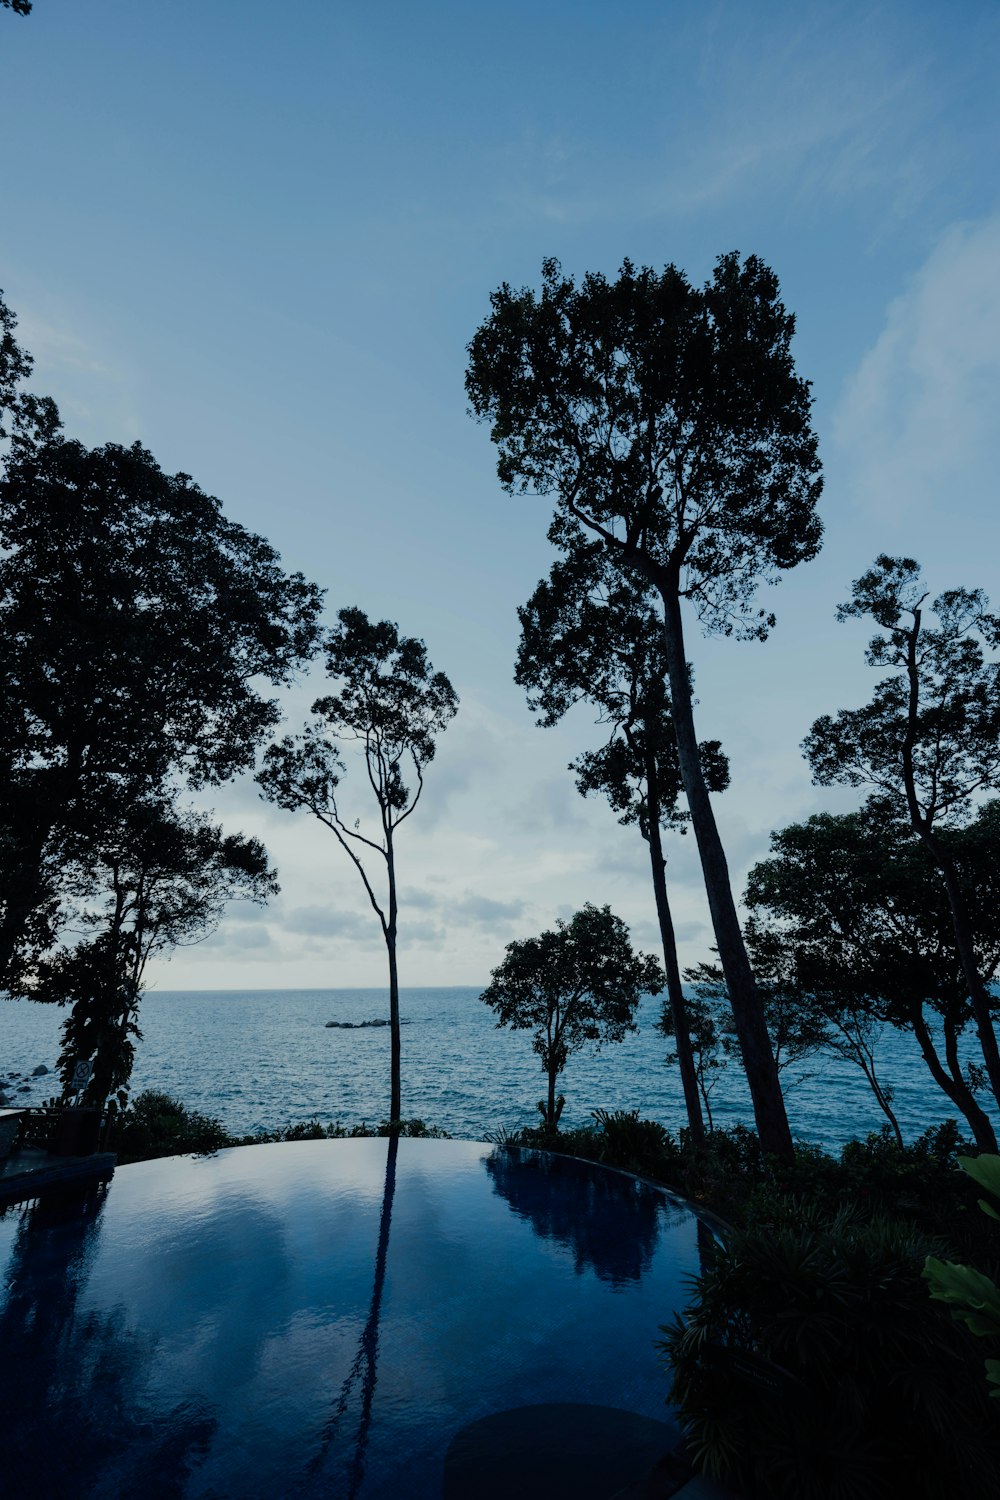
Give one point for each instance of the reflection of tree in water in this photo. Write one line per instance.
(364, 1367)
(70, 1381)
(610, 1221)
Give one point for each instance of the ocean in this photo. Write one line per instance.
(260, 1059)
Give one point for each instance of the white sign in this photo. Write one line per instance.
(81, 1075)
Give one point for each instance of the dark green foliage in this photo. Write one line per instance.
(942, 695)
(667, 415)
(630, 1143)
(973, 1297)
(315, 1130)
(155, 1124)
(853, 914)
(138, 627)
(929, 739)
(730, 1175)
(155, 880)
(668, 421)
(809, 1366)
(579, 982)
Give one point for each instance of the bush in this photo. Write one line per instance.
(811, 1365)
(155, 1125)
(315, 1130)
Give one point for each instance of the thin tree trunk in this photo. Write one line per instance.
(856, 1050)
(979, 996)
(755, 1044)
(675, 993)
(982, 1126)
(882, 1099)
(920, 822)
(395, 1090)
(955, 1088)
(705, 1100)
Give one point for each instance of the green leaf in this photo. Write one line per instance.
(984, 1170)
(973, 1297)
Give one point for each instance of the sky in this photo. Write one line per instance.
(258, 239)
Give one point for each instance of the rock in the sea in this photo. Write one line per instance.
(25, 1088)
(353, 1025)
(40, 1071)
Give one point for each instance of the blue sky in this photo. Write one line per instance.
(259, 237)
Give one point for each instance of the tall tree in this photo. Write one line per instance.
(137, 626)
(391, 703)
(578, 982)
(157, 879)
(588, 633)
(929, 740)
(667, 420)
(856, 908)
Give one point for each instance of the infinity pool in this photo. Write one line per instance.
(322, 1318)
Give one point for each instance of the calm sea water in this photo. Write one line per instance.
(259, 1059)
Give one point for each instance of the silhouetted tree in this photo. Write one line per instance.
(929, 740)
(856, 912)
(392, 704)
(137, 625)
(19, 7)
(578, 982)
(669, 421)
(588, 633)
(157, 880)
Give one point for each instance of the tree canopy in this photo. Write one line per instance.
(158, 878)
(138, 626)
(667, 420)
(578, 982)
(928, 742)
(860, 922)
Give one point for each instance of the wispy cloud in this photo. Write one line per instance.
(916, 426)
(94, 389)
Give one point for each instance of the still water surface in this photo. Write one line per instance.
(265, 1058)
(324, 1318)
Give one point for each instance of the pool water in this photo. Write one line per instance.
(323, 1317)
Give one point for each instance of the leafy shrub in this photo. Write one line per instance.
(973, 1298)
(630, 1143)
(333, 1130)
(810, 1366)
(155, 1125)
